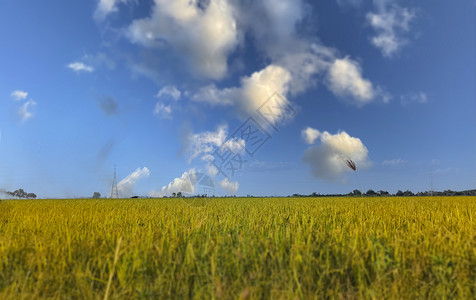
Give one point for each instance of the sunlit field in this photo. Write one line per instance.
(289, 248)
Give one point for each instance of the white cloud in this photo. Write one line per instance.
(169, 91)
(345, 79)
(390, 24)
(126, 185)
(181, 184)
(212, 95)
(162, 110)
(106, 7)
(80, 67)
(394, 162)
(419, 97)
(203, 35)
(252, 93)
(310, 135)
(327, 160)
(204, 143)
(19, 95)
(24, 112)
(231, 187)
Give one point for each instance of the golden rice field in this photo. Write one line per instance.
(279, 248)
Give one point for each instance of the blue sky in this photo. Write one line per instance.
(158, 88)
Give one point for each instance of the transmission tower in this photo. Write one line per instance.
(114, 192)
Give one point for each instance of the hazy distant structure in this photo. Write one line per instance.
(114, 192)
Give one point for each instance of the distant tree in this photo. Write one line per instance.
(96, 195)
(31, 195)
(408, 193)
(179, 194)
(383, 193)
(20, 193)
(357, 193)
(399, 193)
(371, 193)
(174, 195)
(314, 194)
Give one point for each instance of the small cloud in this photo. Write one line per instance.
(419, 97)
(204, 143)
(163, 111)
(310, 135)
(328, 159)
(183, 184)
(24, 112)
(106, 7)
(80, 67)
(231, 187)
(169, 91)
(345, 80)
(394, 162)
(390, 24)
(126, 185)
(19, 95)
(108, 105)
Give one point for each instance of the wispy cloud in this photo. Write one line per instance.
(390, 25)
(162, 110)
(125, 186)
(80, 67)
(19, 95)
(394, 162)
(169, 91)
(204, 143)
(106, 7)
(24, 110)
(419, 97)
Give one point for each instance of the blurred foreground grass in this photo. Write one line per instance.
(239, 248)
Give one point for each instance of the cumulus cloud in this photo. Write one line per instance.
(204, 143)
(204, 32)
(108, 105)
(169, 91)
(390, 24)
(162, 110)
(252, 93)
(125, 186)
(345, 80)
(394, 162)
(310, 135)
(292, 74)
(183, 184)
(327, 160)
(231, 187)
(80, 67)
(24, 110)
(19, 95)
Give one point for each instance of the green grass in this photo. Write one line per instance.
(230, 248)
